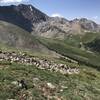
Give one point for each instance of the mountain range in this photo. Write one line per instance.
(21, 25)
(38, 23)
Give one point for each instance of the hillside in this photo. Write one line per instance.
(44, 84)
(82, 56)
(14, 37)
(47, 58)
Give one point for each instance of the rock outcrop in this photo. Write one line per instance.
(43, 64)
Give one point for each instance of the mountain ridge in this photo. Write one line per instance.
(22, 15)
(40, 24)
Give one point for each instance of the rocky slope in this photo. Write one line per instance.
(60, 27)
(43, 64)
(22, 15)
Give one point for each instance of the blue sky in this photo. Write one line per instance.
(69, 9)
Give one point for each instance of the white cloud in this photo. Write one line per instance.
(11, 1)
(56, 15)
(95, 17)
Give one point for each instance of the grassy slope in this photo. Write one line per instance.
(84, 86)
(82, 56)
(94, 42)
(75, 40)
(79, 87)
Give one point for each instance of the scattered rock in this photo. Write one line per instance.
(43, 64)
(64, 87)
(50, 85)
(14, 82)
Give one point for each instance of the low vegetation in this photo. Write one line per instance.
(25, 81)
(82, 56)
(43, 84)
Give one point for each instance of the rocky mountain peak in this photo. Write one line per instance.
(88, 24)
(31, 13)
(22, 15)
